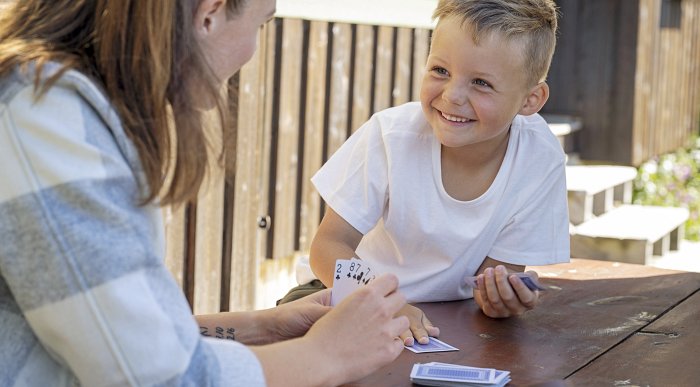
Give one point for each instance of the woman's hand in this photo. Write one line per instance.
(361, 333)
(293, 319)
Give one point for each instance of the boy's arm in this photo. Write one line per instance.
(501, 295)
(335, 239)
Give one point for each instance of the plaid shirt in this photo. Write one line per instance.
(85, 298)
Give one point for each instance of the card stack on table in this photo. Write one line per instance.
(349, 275)
(445, 374)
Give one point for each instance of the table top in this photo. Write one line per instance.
(602, 323)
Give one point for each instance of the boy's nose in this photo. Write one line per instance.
(455, 94)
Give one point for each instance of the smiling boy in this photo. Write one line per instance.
(470, 181)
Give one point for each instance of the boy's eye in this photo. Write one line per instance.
(440, 71)
(481, 82)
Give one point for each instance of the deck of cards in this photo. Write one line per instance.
(445, 374)
(349, 275)
(528, 279)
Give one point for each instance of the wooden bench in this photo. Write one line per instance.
(594, 189)
(630, 233)
(563, 126)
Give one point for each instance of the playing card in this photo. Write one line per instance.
(349, 275)
(341, 287)
(529, 280)
(360, 272)
(434, 345)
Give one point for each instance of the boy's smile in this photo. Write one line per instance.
(470, 93)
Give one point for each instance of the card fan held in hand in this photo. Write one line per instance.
(349, 275)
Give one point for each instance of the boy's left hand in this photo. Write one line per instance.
(420, 328)
(502, 294)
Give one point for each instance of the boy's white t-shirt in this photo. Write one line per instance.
(386, 182)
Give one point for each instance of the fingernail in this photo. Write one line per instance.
(408, 341)
(424, 340)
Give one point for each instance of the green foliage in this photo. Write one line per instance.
(673, 180)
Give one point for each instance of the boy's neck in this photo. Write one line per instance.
(478, 155)
(468, 172)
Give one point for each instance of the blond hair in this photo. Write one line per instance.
(143, 54)
(534, 22)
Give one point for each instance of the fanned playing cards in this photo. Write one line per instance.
(349, 275)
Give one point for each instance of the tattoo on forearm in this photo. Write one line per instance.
(219, 333)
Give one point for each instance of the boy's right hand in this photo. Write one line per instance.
(420, 327)
(361, 333)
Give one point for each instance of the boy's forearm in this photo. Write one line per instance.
(322, 259)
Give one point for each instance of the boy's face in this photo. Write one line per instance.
(471, 93)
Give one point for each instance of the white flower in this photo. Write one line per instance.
(667, 164)
(650, 188)
(649, 167)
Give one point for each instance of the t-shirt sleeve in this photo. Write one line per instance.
(79, 257)
(353, 181)
(538, 233)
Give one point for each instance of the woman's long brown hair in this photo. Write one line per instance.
(143, 53)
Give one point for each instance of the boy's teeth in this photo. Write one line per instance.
(452, 118)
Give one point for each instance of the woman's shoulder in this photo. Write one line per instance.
(74, 100)
(28, 83)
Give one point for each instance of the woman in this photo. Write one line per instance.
(100, 123)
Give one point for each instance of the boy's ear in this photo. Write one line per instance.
(535, 99)
(208, 14)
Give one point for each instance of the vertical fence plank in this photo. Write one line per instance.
(691, 58)
(266, 283)
(269, 90)
(693, 29)
(341, 66)
(421, 49)
(384, 68)
(642, 139)
(401, 92)
(210, 201)
(249, 172)
(313, 131)
(174, 221)
(363, 76)
(284, 219)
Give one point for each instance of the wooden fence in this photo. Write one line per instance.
(630, 69)
(310, 84)
(667, 98)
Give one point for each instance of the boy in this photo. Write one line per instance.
(468, 181)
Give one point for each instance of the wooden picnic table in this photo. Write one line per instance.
(600, 324)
